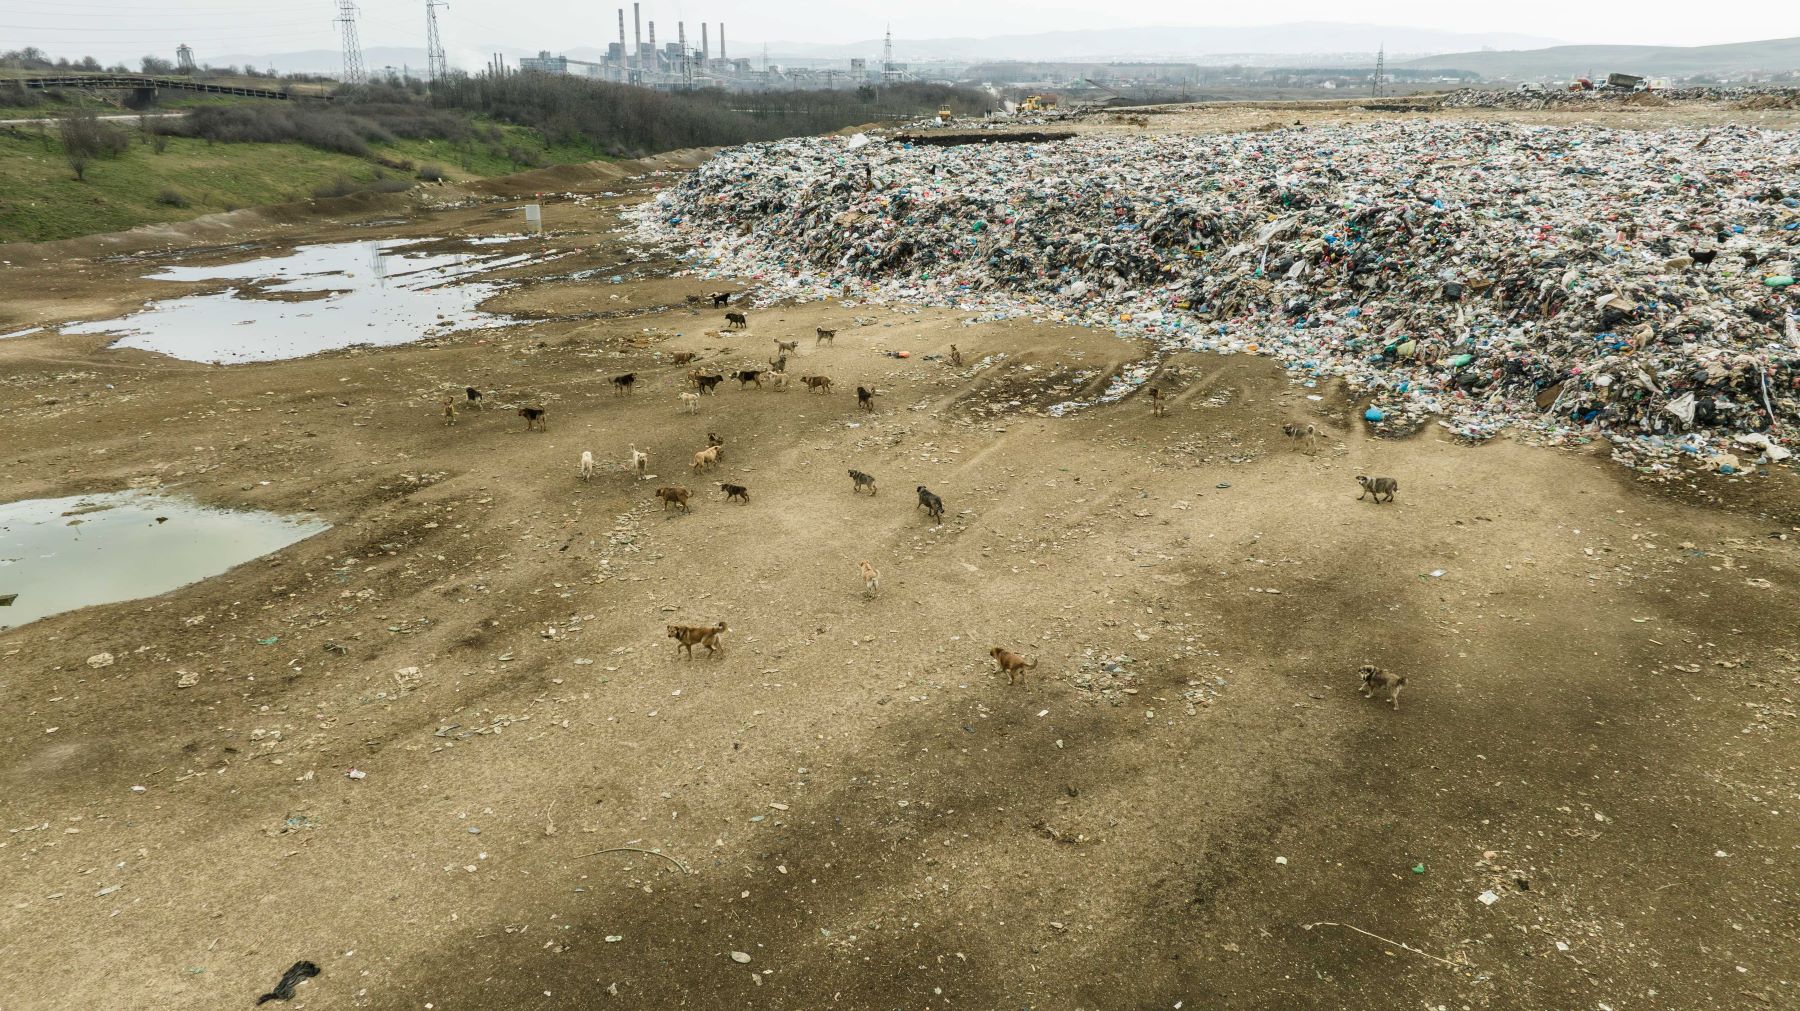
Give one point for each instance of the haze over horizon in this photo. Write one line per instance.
(220, 30)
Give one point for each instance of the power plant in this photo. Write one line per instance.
(676, 66)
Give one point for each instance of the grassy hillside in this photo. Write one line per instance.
(42, 200)
(1769, 56)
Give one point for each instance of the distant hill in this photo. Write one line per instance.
(1566, 61)
(1166, 43)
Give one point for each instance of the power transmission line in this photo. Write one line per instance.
(353, 57)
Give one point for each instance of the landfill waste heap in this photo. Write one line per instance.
(1585, 282)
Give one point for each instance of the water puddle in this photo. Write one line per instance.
(314, 299)
(58, 554)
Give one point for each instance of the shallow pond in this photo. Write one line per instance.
(314, 299)
(58, 554)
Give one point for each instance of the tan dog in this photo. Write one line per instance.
(1156, 402)
(449, 410)
(706, 458)
(871, 578)
(640, 461)
(683, 357)
(779, 380)
(688, 636)
(673, 496)
(1374, 678)
(817, 384)
(955, 356)
(691, 402)
(783, 347)
(1012, 663)
(1301, 432)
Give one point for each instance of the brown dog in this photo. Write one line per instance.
(871, 578)
(1012, 663)
(865, 398)
(535, 417)
(783, 347)
(817, 384)
(688, 636)
(1374, 678)
(955, 356)
(683, 357)
(449, 410)
(673, 496)
(735, 491)
(1156, 402)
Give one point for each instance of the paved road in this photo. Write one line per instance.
(47, 120)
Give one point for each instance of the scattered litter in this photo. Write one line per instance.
(1487, 898)
(284, 990)
(99, 660)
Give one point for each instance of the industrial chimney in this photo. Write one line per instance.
(655, 57)
(721, 40)
(705, 45)
(637, 37)
(624, 54)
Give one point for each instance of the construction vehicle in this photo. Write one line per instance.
(945, 115)
(1037, 103)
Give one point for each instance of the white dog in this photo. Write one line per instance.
(640, 461)
(587, 465)
(691, 401)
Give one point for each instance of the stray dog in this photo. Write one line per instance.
(1156, 402)
(1379, 485)
(871, 578)
(783, 347)
(1374, 679)
(778, 363)
(535, 418)
(624, 383)
(735, 491)
(688, 636)
(778, 379)
(931, 504)
(820, 384)
(825, 336)
(587, 465)
(640, 461)
(1011, 663)
(747, 376)
(449, 410)
(706, 458)
(955, 356)
(712, 439)
(706, 383)
(736, 321)
(721, 298)
(1299, 432)
(683, 357)
(691, 401)
(673, 496)
(859, 480)
(474, 398)
(865, 398)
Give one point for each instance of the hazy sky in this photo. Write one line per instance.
(126, 29)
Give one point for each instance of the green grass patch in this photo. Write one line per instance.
(42, 201)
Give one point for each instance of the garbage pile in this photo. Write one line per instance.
(1636, 285)
(1484, 98)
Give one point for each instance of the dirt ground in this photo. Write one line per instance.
(1186, 804)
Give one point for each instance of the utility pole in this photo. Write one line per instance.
(437, 65)
(354, 73)
(1380, 69)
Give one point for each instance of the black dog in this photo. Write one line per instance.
(624, 383)
(747, 376)
(474, 396)
(706, 383)
(736, 320)
(534, 418)
(284, 990)
(865, 398)
(859, 480)
(735, 491)
(721, 298)
(931, 504)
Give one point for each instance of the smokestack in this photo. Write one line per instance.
(637, 37)
(655, 57)
(721, 40)
(705, 45)
(624, 54)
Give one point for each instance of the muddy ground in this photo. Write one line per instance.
(1185, 804)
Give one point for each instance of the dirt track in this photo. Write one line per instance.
(1599, 724)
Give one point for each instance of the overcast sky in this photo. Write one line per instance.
(126, 29)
